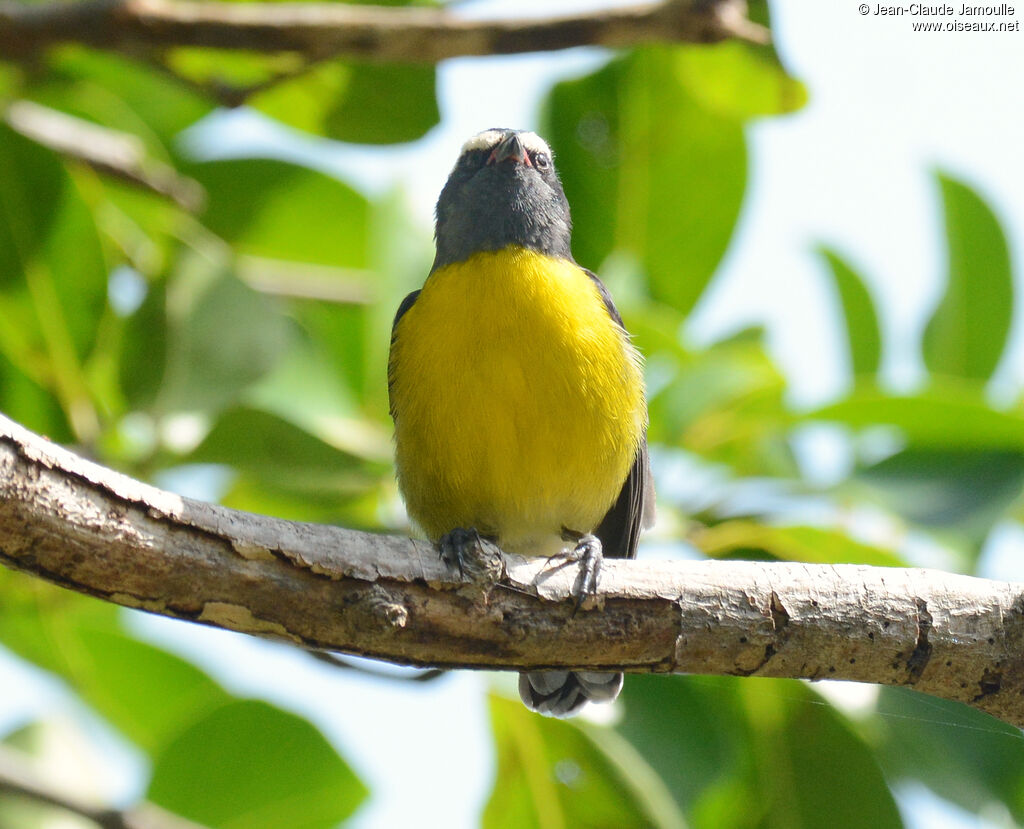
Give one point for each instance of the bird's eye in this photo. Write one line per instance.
(541, 161)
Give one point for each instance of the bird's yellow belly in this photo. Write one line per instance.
(518, 401)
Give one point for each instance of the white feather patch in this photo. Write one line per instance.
(488, 139)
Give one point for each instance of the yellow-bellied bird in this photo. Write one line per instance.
(517, 397)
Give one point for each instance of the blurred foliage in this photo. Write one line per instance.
(653, 158)
(967, 334)
(281, 772)
(755, 752)
(250, 337)
(552, 773)
(863, 336)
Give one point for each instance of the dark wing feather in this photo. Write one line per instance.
(405, 306)
(606, 297)
(633, 510)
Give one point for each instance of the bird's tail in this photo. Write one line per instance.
(563, 693)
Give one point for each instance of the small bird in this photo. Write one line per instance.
(517, 396)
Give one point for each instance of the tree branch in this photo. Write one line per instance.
(302, 280)
(108, 151)
(322, 30)
(18, 778)
(90, 529)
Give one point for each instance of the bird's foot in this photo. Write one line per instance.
(454, 547)
(476, 557)
(589, 553)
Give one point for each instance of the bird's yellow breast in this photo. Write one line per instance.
(518, 400)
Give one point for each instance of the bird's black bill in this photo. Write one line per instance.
(511, 149)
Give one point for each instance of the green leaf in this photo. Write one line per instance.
(653, 157)
(143, 358)
(343, 101)
(864, 339)
(278, 210)
(740, 80)
(335, 99)
(230, 70)
(144, 692)
(758, 12)
(308, 389)
(724, 403)
(794, 737)
(648, 170)
(692, 732)
(411, 111)
(119, 92)
(353, 338)
(965, 489)
(146, 229)
(750, 752)
(356, 504)
(648, 787)
(283, 470)
(216, 759)
(960, 753)
(222, 337)
(247, 765)
(24, 400)
(967, 334)
(306, 101)
(745, 539)
(267, 447)
(51, 303)
(342, 334)
(10, 81)
(953, 415)
(79, 281)
(32, 184)
(551, 774)
(963, 462)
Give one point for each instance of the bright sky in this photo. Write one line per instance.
(852, 169)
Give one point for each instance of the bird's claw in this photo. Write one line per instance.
(590, 555)
(455, 545)
(479, 561)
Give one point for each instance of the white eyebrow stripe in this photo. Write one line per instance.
(534, 143)
(489, 138)
(482, 141)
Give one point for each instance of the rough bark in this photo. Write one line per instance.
(322, 30)
(87, 528)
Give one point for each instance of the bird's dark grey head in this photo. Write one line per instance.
(502, 191)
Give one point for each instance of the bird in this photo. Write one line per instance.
(516, 392)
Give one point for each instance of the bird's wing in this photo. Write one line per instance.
(605, 296)
(405, 306)
(633, 510)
